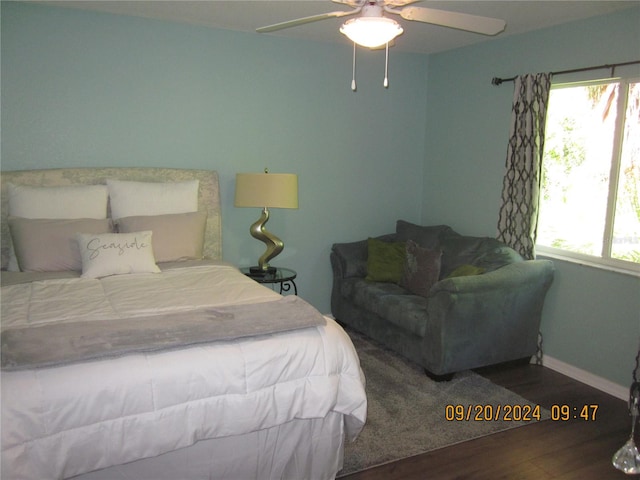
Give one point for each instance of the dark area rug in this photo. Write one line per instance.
(407, 411)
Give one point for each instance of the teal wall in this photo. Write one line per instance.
(91, 89)
(591, 318)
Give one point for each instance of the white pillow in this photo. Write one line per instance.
(81, 201)
(116, 253)
(129, 199)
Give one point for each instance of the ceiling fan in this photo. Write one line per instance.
(375, 9)
(373, 29)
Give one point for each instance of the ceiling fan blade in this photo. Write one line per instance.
(461, 21)
(302, 21)
(399, 3)
(351, 3)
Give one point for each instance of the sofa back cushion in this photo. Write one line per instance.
(424, 236)
(484, 252)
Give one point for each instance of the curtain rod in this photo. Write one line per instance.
(499, 81)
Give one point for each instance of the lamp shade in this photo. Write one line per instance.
(371, 32)
(271, 190)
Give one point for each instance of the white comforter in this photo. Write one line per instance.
(63, 421)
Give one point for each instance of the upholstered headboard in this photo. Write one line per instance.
(208, 198)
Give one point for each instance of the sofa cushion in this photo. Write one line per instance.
(484, 252)
(426, 237)
(421, 268)
(389, 301)
(385, 260)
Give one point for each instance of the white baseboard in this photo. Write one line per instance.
(607, 386)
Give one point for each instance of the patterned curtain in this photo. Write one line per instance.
(518, 220)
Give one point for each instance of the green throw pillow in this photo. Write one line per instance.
(385, 260)
(466, 271)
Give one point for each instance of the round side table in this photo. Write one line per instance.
(282, 276)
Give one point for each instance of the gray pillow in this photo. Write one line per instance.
(421, 270)
(49, 245)
(178, 236)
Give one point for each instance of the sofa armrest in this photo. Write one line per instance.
(517, 275)
(489, 318)
(349, 259)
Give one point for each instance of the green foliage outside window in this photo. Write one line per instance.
(590, 198)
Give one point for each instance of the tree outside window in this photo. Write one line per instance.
(590, 200)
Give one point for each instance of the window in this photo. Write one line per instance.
(590, 199)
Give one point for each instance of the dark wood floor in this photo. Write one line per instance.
(575, 449)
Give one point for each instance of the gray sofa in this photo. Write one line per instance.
(488, 312)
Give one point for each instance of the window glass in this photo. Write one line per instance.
(589, 200)
(626, 231)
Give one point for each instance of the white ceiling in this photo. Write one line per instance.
(521, 16)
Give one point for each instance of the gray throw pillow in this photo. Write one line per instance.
(422, 268)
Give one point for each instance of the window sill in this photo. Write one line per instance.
(625, 268)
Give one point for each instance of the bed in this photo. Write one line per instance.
(135, 352)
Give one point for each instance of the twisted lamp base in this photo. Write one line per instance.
(273, 243)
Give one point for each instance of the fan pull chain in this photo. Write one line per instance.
(386, 67)
(353, 79)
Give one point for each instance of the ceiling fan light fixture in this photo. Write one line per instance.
(371, 32)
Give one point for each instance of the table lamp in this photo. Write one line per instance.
(266, 190)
